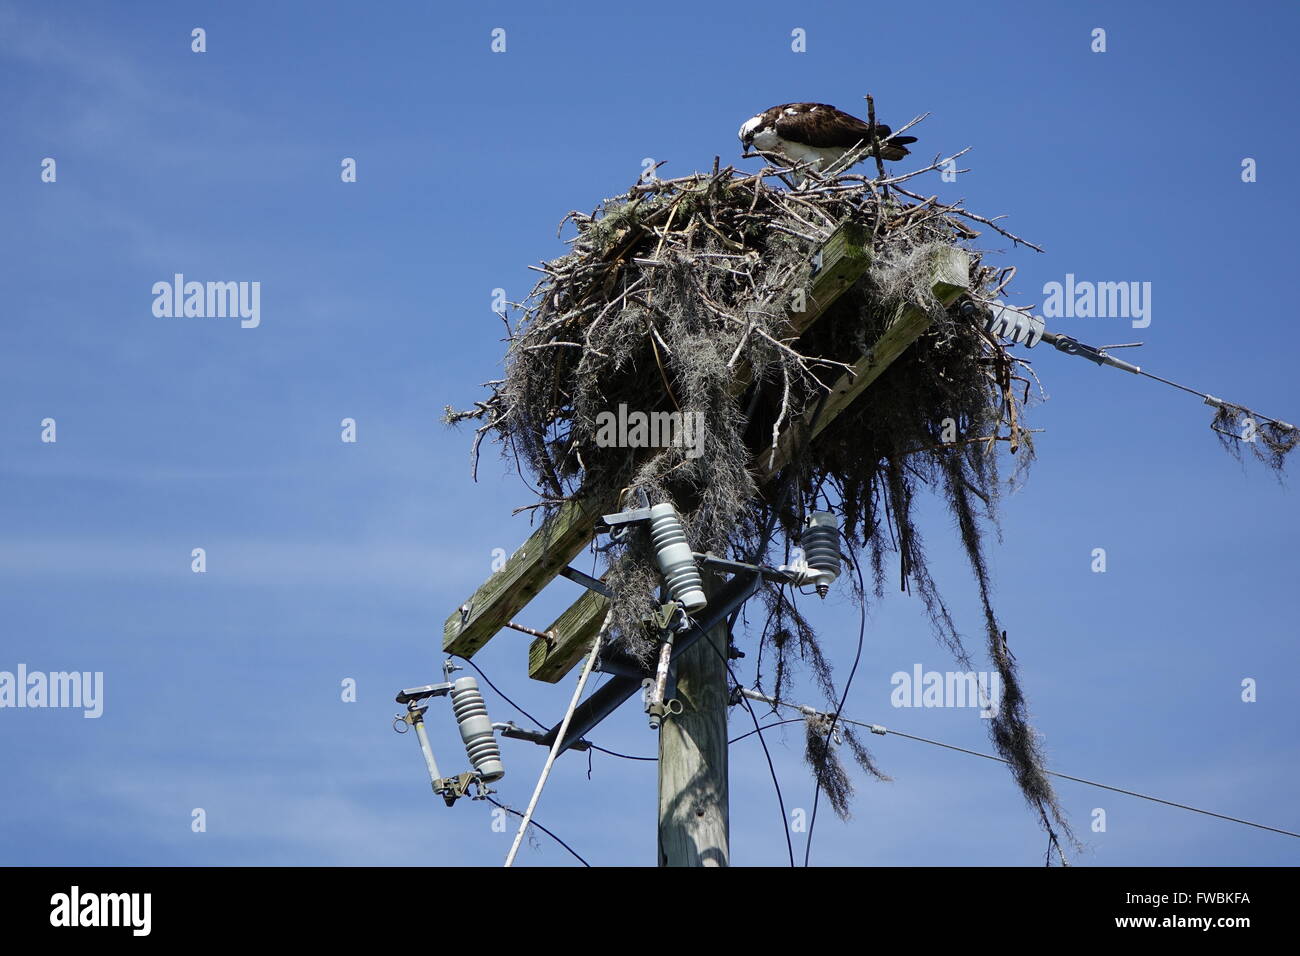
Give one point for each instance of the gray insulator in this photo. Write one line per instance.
(476, 729)
(676, 562)
(1014, 324)
(821, 547)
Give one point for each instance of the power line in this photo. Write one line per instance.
(1218, 402)
(1094, 783)
(542, 828)
(775, 723)
(1099, 355)
(733, 740)
(536, 722)
(878, 729)
(615, 753)
(857, 658)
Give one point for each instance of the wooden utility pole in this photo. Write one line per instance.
(693, 802)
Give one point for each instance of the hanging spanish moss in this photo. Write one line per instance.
(1270, 442)
(821, 746)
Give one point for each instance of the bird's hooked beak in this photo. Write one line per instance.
(746, 135)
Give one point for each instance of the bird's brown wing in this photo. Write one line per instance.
(822, 126)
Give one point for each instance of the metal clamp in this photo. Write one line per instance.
(1072, 346)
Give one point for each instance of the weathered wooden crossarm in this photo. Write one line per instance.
(574, 631)
(950, 277)
(577, 626)
(558, 541)
(840, 262)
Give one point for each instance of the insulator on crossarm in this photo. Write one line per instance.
(820, 542)
(476, 729)
(676, 562)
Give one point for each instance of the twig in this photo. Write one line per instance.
(875, 146)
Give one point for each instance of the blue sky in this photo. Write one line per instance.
(328, 561)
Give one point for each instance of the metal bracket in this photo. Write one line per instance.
(659, 709)
(412, 694)
(618, 689)
(1072, 346)
(626, 517)
(515, 732)
(786, 574)
(452, 789)
(616, 525)
(1021, 327)
(587, 581)
(670, 617)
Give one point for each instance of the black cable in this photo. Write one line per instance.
(614, 753)
(857, 658)
(533, 822)
(776, 723)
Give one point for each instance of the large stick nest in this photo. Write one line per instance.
(675, 297)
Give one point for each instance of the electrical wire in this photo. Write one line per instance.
(534, 822)
(1091, 783)
(1072, 346)
(615, 753)
(857, 659)
(1216, 401)
(775, 723)
(878, 729)
(733, 740)
(535, 721)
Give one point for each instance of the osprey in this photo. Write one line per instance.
(815, 133)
